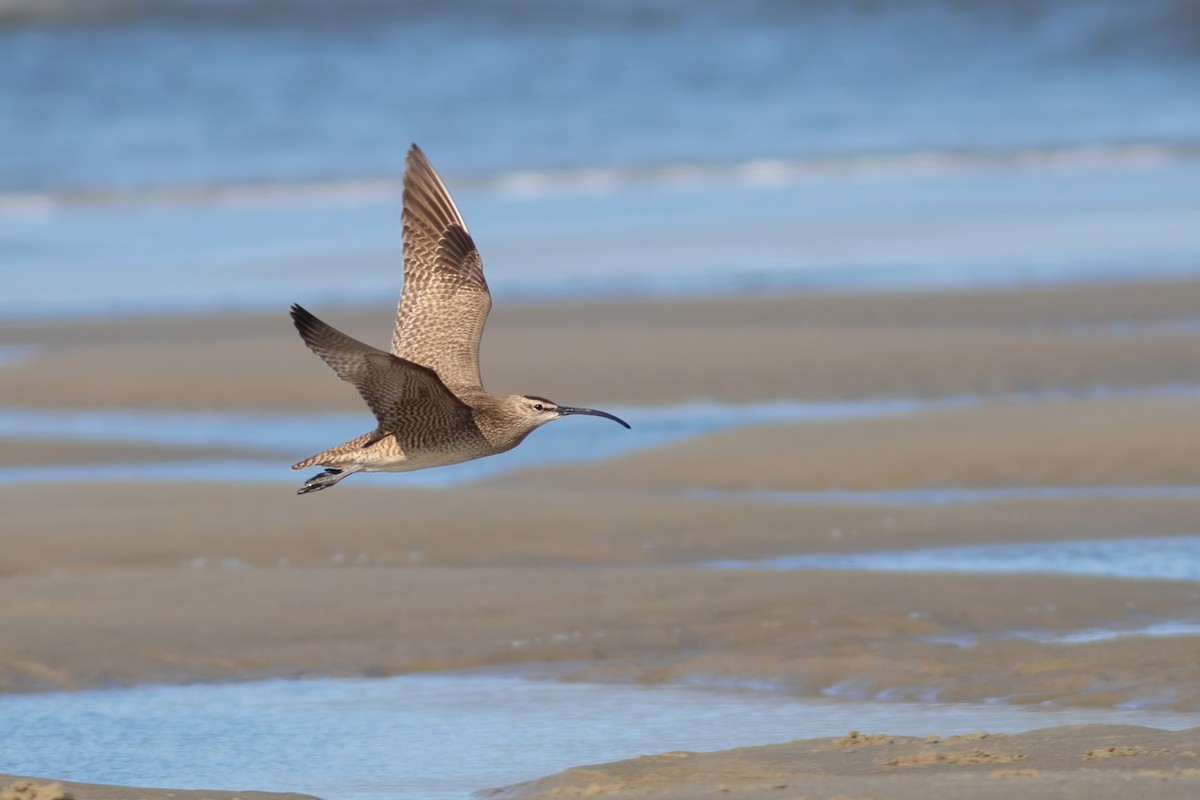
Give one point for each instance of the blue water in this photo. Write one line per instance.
(430, 737)
(286, 438)
(275, 440)
(957, 495)
(1150, 630)
(1146, 557)
(196, 155)
(1149, 557)
(275, 90)
(970, 228)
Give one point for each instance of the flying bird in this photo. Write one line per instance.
(429, 403)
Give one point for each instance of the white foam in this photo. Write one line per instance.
(530, 183)
(679, 234)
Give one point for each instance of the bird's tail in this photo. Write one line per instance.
(343, 456)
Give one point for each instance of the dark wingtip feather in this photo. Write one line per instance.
(306, 323)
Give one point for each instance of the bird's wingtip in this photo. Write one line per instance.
(304, 320)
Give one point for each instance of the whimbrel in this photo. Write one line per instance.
(426, 394)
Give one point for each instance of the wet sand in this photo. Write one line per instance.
(589, 571)
(1095, 761)
(15, 787)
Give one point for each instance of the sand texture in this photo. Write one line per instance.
(13, 787)
(1085, 761)
(596, 571)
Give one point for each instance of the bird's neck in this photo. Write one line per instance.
(498, 423)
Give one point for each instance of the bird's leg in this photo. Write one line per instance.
(323, 480)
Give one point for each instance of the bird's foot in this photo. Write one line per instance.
(322, 480)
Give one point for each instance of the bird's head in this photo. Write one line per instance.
(537, 411)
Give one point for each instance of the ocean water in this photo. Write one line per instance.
(98, 94)
(189, 155)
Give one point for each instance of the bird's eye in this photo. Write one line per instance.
(538, 407)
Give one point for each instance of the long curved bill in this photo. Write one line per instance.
(591, 412)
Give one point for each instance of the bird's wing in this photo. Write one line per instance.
(445, 301)
(395, 389)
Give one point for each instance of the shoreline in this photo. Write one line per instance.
(1093, 761)
(133, 582)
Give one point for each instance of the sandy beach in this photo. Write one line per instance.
(596, 571)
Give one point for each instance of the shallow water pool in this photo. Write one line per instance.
(276, 439)
(958, 495)
(434, 736)
(1153, 557)
(284, 438)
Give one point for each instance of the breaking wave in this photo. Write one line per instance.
(543, 182)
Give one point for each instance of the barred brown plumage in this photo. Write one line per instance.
(427, 396)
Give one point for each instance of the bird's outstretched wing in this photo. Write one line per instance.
(445, 301)
(396, 390)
